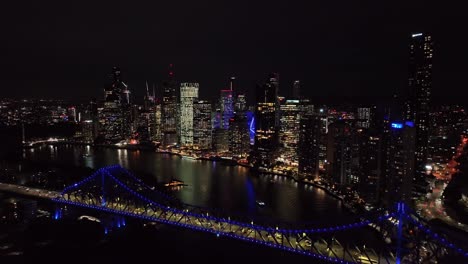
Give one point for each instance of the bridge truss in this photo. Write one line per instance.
(404, 237)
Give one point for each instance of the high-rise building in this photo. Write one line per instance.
(240, 104)
(169, 109)
(156, 134)
(227, 107)
(366, 164)
(308, 148)
(115, 117)
(445, 135)
(220, 140)
(289, 131)
(339, 152)
(188, 95)
(239, 141)
(239, 138)
(399, 162)
(267, 123)
(148, 123)
(417, 105)
(227, 104)
(365, 116)
(202, 129)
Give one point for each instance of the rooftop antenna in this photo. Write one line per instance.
(147, 92)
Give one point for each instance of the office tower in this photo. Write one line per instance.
(308, 148)
(240, 104)
(296, 90)
(365, 116)
(227, 107)
(227, 104)
(220, 140)
(156, 135)
(322, 114)
(239, 139)
(366, 164)
(306, 107)
(339, 152)
(267, 123)
(417, 105)
(147, 127)
(115, 116)
(85, 132)
(289, 131)
(445, 136)
(169, 109)
(188, 95)
(202, 130)
(400, 162)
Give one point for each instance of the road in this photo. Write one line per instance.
(303, 242)
(28, 191)
(246, 231)
(433, 208)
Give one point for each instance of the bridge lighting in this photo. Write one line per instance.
(66, 200)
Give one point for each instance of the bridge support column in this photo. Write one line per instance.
(112, 222)
(120, 222)
(401, 216)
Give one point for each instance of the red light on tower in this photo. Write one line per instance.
(171, 73)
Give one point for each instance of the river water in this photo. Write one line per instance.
(209, 184)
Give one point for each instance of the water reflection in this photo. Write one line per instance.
(209, 184)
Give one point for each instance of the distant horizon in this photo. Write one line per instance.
(321, 100)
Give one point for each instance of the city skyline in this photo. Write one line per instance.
(334, 131)
(314, 44)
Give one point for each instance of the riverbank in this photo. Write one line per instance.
(213, 158)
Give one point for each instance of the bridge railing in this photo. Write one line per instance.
(319, 242)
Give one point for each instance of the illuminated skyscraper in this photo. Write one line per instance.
(308, 149)
(149, 119)
(399, 162)
(169, 109)
(239, 139)
(240, 103)
(202, 130)
(417, 106)
(115, 117)
(227, 104)
(289, 131)
(267, 123)
(339, 152)
(188, 95)
(365, 116)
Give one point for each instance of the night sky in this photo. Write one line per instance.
(337, 48)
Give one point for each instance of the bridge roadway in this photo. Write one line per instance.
(28, 191)
(293, 241)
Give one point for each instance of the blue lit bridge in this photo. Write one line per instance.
(405, 237)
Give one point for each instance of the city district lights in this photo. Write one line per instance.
(397, 125)
(400, 125)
